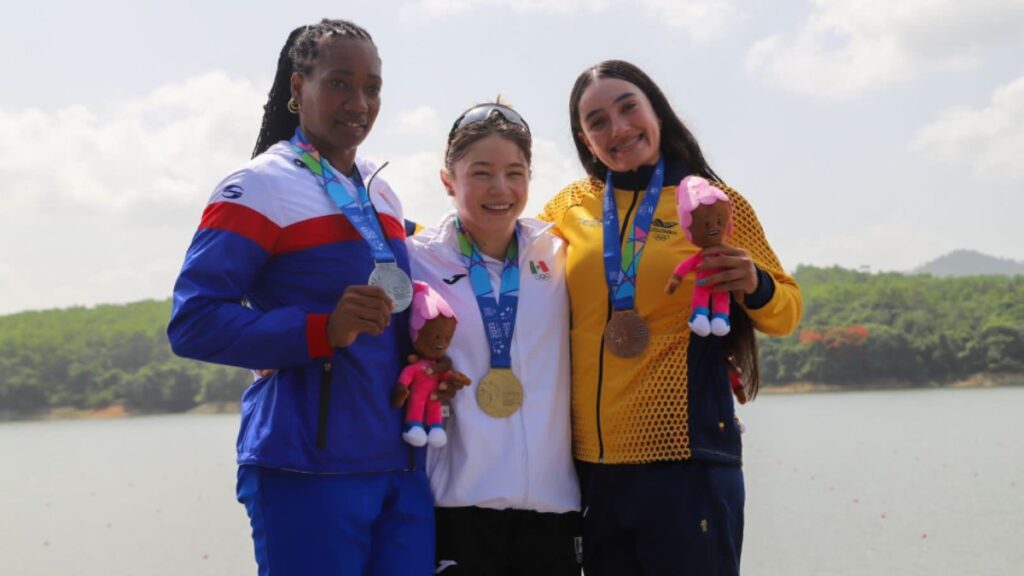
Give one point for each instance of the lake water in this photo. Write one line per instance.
(922, 483)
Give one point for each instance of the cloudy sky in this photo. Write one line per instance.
(871, 133)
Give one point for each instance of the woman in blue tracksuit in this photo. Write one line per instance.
(279, 275)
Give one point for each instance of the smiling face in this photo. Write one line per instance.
(710, 224)
(434, 337)
(339, 97)
(490, 185)
(618, 125)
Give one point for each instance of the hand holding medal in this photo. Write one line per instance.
(361, 214)
(360, 309)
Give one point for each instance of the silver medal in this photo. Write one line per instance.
(395, 283)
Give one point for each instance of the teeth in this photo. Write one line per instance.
(497, 206)
(627, 144)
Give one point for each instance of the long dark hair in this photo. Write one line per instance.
(297, 55)
(676, 139)
(740, 349)
(740, 346)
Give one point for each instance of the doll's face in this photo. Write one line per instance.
(710, 223)
(434, 337)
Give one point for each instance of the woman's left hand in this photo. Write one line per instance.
(451, 381)
(737, 272)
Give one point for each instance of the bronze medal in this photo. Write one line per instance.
(499, 393)
(626, 334)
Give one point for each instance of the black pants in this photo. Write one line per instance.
(681, 518)
(483, 542)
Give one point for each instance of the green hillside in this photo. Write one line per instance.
(89, 358)
(858, 329)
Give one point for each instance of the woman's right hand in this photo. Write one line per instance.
(360, 309)
(673, 284)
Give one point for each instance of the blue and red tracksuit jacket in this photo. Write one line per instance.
(270, 260)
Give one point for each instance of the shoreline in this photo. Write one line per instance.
(114, 411)
(983, 380)
(976, 381)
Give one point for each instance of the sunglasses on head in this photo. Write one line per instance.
(483, 112)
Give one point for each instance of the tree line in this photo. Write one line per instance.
(90, 358)
(861, 328)
(858, 328)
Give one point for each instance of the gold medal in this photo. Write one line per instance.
(626, 334)
(499, 393)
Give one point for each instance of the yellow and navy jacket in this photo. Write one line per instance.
(673, 401)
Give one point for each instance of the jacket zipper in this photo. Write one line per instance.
(608, 317)
(325, 405)
(412, 451)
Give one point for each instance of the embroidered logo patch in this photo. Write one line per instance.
(232, 192)
(539, 269)
(443, 565)
(453, 279)
(661, 230)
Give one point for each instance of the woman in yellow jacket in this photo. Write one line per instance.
(654, 432)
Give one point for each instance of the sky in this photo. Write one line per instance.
(872, 134)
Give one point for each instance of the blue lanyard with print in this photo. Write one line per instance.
(358, 209)
(621, 265)
(499, 315)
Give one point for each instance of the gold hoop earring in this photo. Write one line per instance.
(293, 105)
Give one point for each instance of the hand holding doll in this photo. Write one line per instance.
(451, 380)
(705, 215)
(432, 324)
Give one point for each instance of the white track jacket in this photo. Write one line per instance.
(523, 461)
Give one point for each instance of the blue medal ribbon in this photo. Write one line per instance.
(499, 314)
(621, 266)
(358, 209)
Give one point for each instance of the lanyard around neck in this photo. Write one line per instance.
(357, 208)
(499, 314)
(621, 265)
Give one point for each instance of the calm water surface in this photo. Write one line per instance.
(918, 483)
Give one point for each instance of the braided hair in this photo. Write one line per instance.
(297, 55)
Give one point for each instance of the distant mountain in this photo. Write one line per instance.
(971, 263)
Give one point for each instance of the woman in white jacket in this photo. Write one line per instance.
(505, 488)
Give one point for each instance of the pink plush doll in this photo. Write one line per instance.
(432, 325)
(705, 214)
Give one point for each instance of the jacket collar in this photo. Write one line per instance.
(529, 230)
(675, 170)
